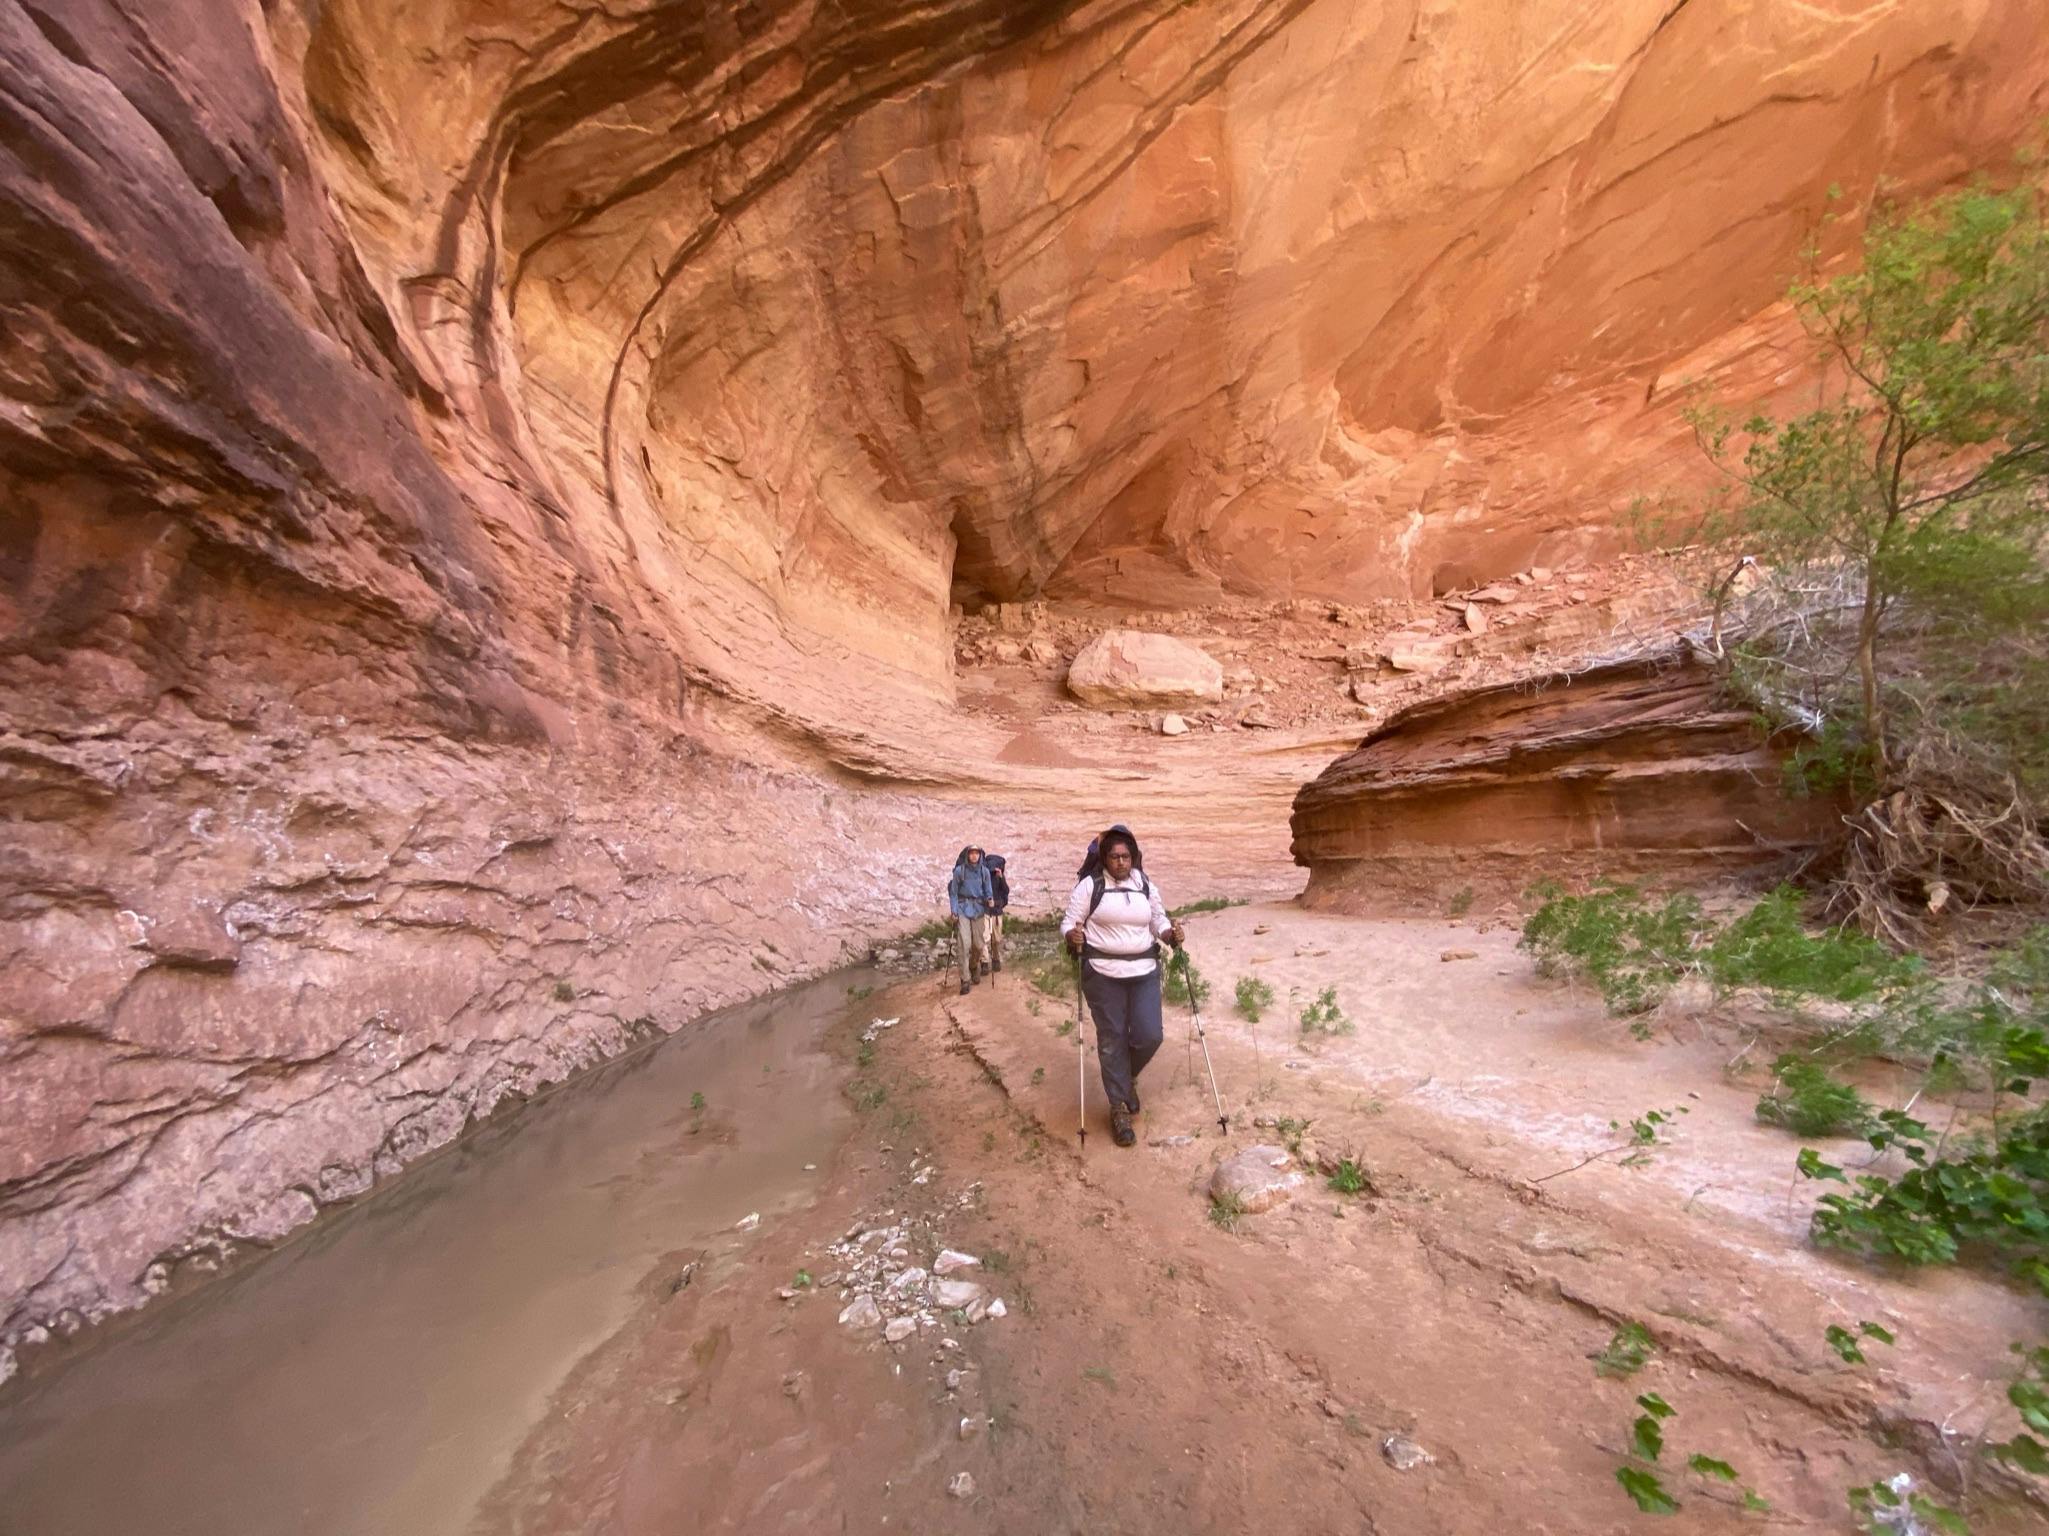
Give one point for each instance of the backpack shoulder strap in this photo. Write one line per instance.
(1095, 893)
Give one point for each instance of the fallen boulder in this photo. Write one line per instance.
(1637, 766)
(1132, 669)
(1255, 1180)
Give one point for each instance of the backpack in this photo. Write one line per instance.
(1092, 861)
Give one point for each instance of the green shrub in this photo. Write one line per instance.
(1185, 984)
(1055, 975)
(1226, 1210)
(1806, 1100)
(1253, 997)
(1206, 904)
(1628, 1349)
(1767, 948)
(1633, 948)
(1324, 1017)
(1462, 901)
(1349, 1178)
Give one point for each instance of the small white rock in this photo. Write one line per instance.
(949, 1260)
(861, 1312)
(962, 1486)
(1403, 1454)
(748, 1222)
(950, 1294)
(899, 1328)
(970, 1427)
(997, 1308)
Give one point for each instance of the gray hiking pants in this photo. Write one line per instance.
(1128, 1029)
(974, 941)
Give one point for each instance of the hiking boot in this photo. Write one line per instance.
(996, 962)
(966, 987)
(1120, 1128)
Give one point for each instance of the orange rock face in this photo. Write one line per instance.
(1632, 767)
(480, 477)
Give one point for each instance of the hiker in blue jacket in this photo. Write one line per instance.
(970, 894)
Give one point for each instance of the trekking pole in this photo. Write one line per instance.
(1195, 1017)
(1081, 1068)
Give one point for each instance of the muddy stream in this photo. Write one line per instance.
(376, 1373)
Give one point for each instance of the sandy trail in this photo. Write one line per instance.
(1157, 1373)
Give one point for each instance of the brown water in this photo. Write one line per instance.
(376, 1374)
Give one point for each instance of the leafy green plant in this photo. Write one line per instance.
(564, 992)
(1983, 1195)
(1350, 1178)
(1291, 1129)
(1205, 904)
(1917, 472)
(1876, 1507)
(1992, 1198)
(1647, 1434)
(1770, 949)
(1055, 976)
(1806, 1100)
(1461, 902)
(1038, 1076)
(1631, 946)
(1324, 1016)
(1850, 1345)
(2029, 1394)
(1626, 1352)
(803, 1280)
(697, 1103)
(1253, 997)
(1646, 1491)
(1647, 1446)
(1185, 984)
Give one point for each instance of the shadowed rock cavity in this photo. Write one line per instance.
(478, 475)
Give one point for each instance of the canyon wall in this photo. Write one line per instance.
(485, 483)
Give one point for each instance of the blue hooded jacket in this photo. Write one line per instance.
(969, 892)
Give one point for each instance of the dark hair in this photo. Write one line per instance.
(1115, 837)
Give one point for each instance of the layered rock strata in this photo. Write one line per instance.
(1639, 767)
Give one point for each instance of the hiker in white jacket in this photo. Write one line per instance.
(1114, 921)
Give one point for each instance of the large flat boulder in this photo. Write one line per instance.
(1641, 767)
(1134, 669)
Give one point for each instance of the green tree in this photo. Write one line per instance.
(1912, 498)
